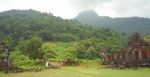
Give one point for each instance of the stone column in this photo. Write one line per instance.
(140, 55)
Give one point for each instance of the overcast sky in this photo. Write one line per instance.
(71, 8)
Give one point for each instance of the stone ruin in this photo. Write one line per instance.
(5, 60)
(136, 54)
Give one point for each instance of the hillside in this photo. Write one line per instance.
(125, 25)
(23, 24)
(42, 35)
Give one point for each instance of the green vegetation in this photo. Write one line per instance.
(31, 48)
(21, 60)
(43, 36)
(32, 36)
(147, 38)
(83, 71)
(25, 24)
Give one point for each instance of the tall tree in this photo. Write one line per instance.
(31, 48)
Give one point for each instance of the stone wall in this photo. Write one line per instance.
(137, 54)
(5, 60)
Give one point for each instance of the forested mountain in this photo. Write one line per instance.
(24, 24)
(125, 25)
(39, 35)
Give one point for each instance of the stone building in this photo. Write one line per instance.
(5, 60)
(137, 54)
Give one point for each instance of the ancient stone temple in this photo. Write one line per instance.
(137, 54)
(5, 61)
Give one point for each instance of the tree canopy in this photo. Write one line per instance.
(36, 33)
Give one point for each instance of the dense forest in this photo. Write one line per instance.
(126, 25)
(31, 35)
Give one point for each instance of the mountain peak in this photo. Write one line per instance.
(88, 16)
(127, 25)
(90, 12)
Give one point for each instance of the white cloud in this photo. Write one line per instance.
(57, 7)
(70, 8)
(125, 8)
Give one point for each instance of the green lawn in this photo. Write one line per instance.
(83, 71)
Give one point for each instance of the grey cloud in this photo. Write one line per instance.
(132, 7)
(123, 8)
(86, 4)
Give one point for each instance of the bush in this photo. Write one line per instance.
(21, 61)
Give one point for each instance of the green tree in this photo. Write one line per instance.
(147, 38)
(91, 53)
(69, 54)
(7, 40)
(31, 48)
(113, 43)
(48, 50)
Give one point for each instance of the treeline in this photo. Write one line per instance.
(42, 35)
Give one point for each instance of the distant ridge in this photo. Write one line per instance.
(127, 25)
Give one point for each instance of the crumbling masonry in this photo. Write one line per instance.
(137, 54)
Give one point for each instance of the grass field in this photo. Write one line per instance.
(83, 71)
